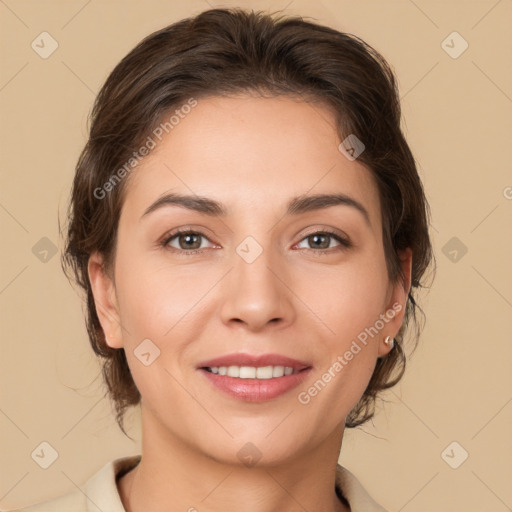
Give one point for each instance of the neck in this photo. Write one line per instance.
(173, 476)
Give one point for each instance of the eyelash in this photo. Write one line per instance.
(345, 243)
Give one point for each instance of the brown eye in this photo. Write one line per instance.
(319, 241)
(185, 241)
(189, 241)
(323, 240)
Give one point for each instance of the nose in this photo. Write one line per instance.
(256, 294)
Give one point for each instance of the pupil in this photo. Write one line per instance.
(189, 238)
(317, 237)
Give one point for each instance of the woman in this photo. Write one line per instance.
(249, 228)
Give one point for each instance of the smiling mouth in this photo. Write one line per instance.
(259, 382)
(253, 372)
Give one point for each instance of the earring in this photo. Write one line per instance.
(389, 341)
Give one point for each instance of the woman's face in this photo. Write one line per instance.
(252, 284)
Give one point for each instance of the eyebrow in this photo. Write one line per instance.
(296, 206)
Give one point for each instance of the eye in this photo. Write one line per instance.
(185, 240)
(323, 240)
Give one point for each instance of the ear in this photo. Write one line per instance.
(105, 300)
(397, 302)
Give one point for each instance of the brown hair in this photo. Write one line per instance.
(230, 51)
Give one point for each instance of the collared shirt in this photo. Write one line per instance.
(100, 492)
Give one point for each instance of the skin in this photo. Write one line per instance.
(253, 155)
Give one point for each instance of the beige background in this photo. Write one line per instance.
(457, 117)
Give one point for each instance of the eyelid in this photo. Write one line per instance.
(313, 230)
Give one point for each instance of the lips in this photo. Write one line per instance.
(255, 361)
(275, 375)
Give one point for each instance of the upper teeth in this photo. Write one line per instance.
(251, 372)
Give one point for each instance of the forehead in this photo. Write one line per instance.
(248, 152)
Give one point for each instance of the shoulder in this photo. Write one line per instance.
(98, 493)
(354, 492)
(71, 501)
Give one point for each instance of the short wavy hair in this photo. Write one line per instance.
(227, 52)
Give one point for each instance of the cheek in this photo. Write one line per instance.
(154, 302)
(161, 303)
(155, 298)
(348, 299)
(350, 303)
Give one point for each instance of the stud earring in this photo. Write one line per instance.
(389, 341)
